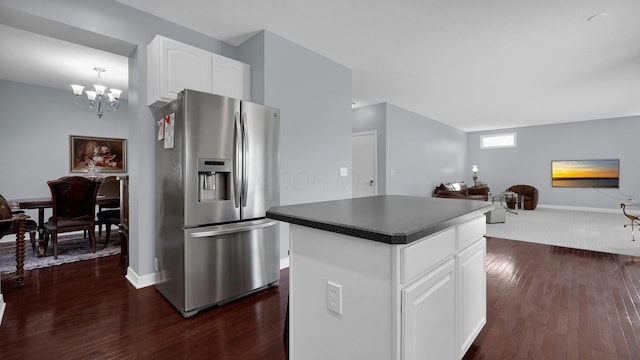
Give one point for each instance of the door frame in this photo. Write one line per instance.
(375, 156)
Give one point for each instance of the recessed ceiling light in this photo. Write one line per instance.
(593, 17)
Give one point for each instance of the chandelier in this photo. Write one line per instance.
(97, 99)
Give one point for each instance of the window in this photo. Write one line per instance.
(495, 141)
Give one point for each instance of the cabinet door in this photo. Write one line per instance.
(230, 78)
(471, 282)
(183, 67)
(428, 316)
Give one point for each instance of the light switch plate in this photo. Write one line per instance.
(344, 171)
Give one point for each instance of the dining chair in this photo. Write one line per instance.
(7, 220)
(5, 214)
(108, 218)
(30, 226)
(123, 227)
(108, 214)
(119, 217)
(74, 209)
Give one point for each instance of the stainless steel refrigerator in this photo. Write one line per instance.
(216, 175)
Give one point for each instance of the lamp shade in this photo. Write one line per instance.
(474, 168)
(116, 93)
(77, 89)
(91, 95)
(99, 89)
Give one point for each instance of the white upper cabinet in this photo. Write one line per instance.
(231, 78)
(174, 66)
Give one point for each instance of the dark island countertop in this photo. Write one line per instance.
(392, 219)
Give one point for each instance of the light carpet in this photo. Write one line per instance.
(587, 230)
(71, 248)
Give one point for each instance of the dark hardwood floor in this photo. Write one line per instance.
(543, 302)
(549, 302)
(88, 310)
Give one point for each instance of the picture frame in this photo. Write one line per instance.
(600, 173)
(107, 154)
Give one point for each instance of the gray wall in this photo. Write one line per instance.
(35, 124)
(252, 52)
(420, 153)
(314, 95)
(530, 161)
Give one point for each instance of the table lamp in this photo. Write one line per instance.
(474, 168)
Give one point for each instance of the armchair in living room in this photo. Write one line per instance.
(528, 192)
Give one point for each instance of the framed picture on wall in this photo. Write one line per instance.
(585, 173)
(107, 154)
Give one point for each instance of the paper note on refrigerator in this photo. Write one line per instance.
(169, 131)
(160, 129)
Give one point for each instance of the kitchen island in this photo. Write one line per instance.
(385, 277)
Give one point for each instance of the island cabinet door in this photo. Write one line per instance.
(428, 315)
(471, 293)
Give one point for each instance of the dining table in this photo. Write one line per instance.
(42, 203)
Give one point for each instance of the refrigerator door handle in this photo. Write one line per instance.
(245, 159)
(233, 229)
(237, 158)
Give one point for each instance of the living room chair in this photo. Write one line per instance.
(74, 208)
(635, 220)
(528, 192)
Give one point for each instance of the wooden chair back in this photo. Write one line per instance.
(110, 187)
(74, 198)
(5, 213)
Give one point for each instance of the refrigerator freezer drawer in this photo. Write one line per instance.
(227, 261)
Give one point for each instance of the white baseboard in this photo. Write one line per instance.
(3, 305)
(284, 263)
(138, 281)
(580, 208)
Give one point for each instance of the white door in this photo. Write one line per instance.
(365, 163)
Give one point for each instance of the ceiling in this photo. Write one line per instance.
(35, 59)
(474, 65)
(471, 64)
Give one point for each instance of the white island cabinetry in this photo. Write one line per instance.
(425, 299)
(174, 66)
(443, 309)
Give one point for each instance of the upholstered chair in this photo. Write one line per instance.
(74, 209)
(528, 192)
